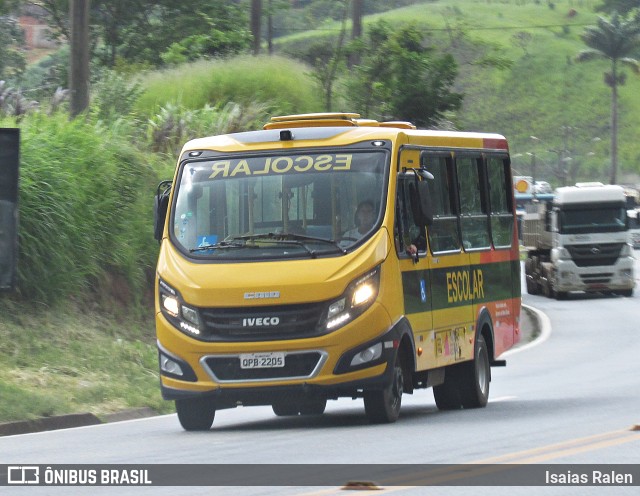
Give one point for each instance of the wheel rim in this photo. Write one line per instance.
(483, 373)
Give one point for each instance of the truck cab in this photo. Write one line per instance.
(581, 243)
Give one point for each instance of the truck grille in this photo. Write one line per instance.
(297, 365)
(262, 323)
(595, 254)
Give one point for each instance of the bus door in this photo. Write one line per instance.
(451, 280)
(410, 238)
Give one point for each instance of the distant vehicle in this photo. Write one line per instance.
(541, 187)
(634, 227)
(579, 242)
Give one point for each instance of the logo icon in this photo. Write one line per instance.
(23, 474)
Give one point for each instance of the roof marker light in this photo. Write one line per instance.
(286, 135)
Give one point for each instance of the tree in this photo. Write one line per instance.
(79, 60)
(326, 57)
(256, 23)
(615, 40)
(357, 8)
(401, 79)
(12, 60)
(141, 31)
(621, 6)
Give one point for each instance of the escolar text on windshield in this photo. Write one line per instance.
(280, 165)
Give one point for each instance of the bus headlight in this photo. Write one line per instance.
(359, 296)
(176, 311)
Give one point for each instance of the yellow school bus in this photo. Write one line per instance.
(330, 256)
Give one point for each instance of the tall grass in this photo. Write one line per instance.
(282, 84)
(81, 212)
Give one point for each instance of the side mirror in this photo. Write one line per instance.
(161, 205)
(421, 203)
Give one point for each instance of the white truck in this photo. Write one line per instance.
(579, 242)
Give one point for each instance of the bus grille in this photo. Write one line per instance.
(595, 254)
(262, 323)
(297, 365)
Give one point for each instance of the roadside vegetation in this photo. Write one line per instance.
(78, 333)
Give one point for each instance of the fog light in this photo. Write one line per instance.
(169, 366)
(365, 356)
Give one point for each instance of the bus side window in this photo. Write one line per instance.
(474, 220)
(500, 203)
(443, 233)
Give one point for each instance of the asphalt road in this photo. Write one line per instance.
(572, 398)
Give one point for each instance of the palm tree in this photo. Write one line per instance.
(613, 39)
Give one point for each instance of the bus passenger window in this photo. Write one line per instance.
(474, 220)
(500, 203)
(443, 233)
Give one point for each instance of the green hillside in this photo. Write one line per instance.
(541, 92)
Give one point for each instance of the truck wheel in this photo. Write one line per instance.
(196, 414)
(383, 406)
(532, 287)
(475, 377)
(447, 394)
(313, 406)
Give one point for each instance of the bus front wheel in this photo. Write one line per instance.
(196, 414)
(383, 406)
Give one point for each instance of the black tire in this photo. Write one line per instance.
(475, 377)
(447, 394)
(561, 295)
(627, 292)
(313, 406)
(283, 408)
(382, 406)
(196, 414)
(532, 287)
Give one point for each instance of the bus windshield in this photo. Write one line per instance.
(593, 218)
(278, 206)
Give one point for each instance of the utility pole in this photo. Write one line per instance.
(79, 64)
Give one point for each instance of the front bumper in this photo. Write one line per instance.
(330, 373)
(570, 277)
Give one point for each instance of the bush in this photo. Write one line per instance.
(280, 84)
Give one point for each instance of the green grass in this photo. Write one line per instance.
(66, 360)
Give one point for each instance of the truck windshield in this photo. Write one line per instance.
(593, 218)
(278, 206)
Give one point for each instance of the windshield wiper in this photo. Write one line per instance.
(215, 246)
(290, 238)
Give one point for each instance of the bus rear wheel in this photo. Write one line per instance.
(475, 377)
(196, 414)
(383, 406)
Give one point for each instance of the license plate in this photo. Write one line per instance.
(270, 360)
